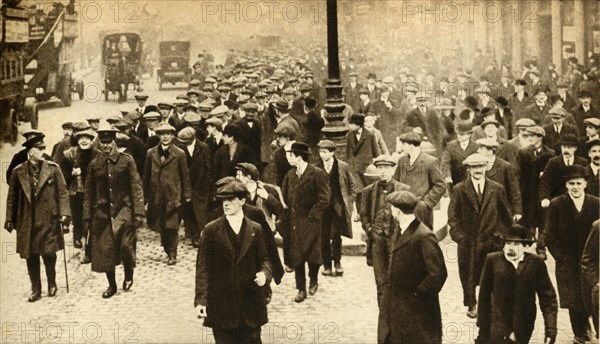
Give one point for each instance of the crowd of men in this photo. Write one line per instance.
(240, 157)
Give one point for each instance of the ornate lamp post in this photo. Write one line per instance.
(335, 129)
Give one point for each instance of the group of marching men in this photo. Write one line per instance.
(239, 159)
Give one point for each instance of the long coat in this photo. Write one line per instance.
(430, 123)
(348, 189)
(593, 186)
(529, 168)
(113, 197)
(425, 180)
(474, 227)
(224, 165)
(166, 185)
(307, 198)
(552, 137)
(199, 166)
(566, 233)
(35, 210)
(410, 310)
(452, 160)
(553, 179)
(507, 298)
(225, 285)
(360, 153)
(504, 173)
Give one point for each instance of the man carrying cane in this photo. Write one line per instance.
(37, 207)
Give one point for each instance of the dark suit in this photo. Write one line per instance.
(213, 146)
(580, 115)
(360, 153)
(425, 180)
(251, 136)
(410, 311)
(429, 122)
(507, 298)
(552, 137)
(199, 166)
(452, 160)
(535, 112)
(553, 179)
(593, 186)
(474, 225)
(280, 166)
(504, 174)
(566, 233)
(224, 164)
(589, 271)
(518, 106)
(225, 273)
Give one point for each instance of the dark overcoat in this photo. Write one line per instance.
(529, 168)
(35, 210)
(507, 298)
(224, 165)
(113, 197)
(552, 137)
(593, 186)
(199, 166)
(452, 160)
(166, 185)
(348, 189)
(307, 198)
(553, 179)
(360, 153)
(566, 233)
(225, 285)
(410, 310)
(504, 173)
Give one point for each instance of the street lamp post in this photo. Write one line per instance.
(335, 129)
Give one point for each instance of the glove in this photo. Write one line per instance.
(8, 225)
(139, 221)
(201, 311)
(550, 337)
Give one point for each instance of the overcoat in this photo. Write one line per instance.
(504, 173)
(166, 184)
(552, 137)
(566, 233)
(224, 165)
(410, 310)
(113, 197)
(593, 186)
(348, 190)
(307, 198)
(553, 179)
(507, 298)
(452, 160)
(35, 210)
(224, 284)
(360, 153)
(199, 166)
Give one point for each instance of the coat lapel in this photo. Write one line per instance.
(360, 142)
(404, 238)
(224, 238)
(472, 194)
(44, 175)
(247, 240)
(304, 177)
(24, 180)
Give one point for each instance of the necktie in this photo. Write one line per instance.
(479, 193)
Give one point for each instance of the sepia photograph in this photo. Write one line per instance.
(300, 171)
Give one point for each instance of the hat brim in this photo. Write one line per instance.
(517, 239)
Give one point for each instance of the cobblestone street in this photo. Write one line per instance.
(159, 307)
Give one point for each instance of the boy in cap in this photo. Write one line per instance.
(410, 311)
(337, 220)
(456, 152)
(478, 210)
(361, 148)
(37, 207)
(376, 218)
(507, 298)
(306, 193)
(166, 187)
(568, 224)
(113, 209)
(232, 304)
(74, 166)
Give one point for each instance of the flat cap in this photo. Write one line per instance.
(557, 112)
(190, 107)
(210, 80)
(536, 130)
(250, 107)
(285, 131)
(164, 127)
(186, 134)
(411, 138)
(352, 74)
(248, 169)
(281, 105)
(363, 91)
(106, 128)
(193, 91)
(385, 159)
(151, 115)
(305, 88)
(88, 132)
(34, 132)
(487, 142)
(233, 188)
(141, 96)
(123, 123)
(289, 90)
(219, 110)
(327, 144)
(133, 115)
(194, 83)
(404, 200)
(592, 121)
(475, 159)
(78, 126)
(67, 125)
(192, 117)
(214, 121)
(224, 88)
(525, 123)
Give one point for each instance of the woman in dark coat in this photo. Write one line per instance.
(37, 203)
(113, 209)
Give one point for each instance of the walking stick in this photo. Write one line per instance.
(66, 273)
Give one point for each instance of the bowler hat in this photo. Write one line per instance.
(585, 94)
(299, 147)
(575, 172)
(502, 101)
(518, 233)
(591, 143)
(490, 121)
(464, 127)
(357, 119)
(281, 105)
(568, 140)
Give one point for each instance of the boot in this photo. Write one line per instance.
(33, 269)
(50, 264)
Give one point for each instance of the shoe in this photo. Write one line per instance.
(85, 260)
(300, 297)
(52, 291)
(327, 272)
(172, 260)
(109, 292)
(36, 295)
(339, 271)
(312, 289)
(77, 244)
(127, 285)
(472, 312)
(288, 269)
